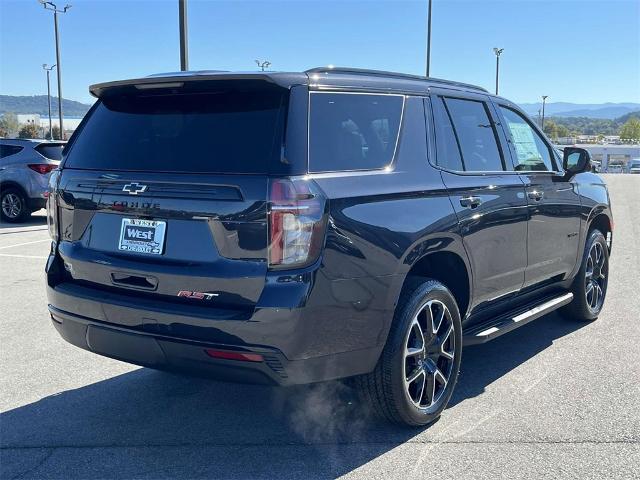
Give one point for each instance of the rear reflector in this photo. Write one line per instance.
(227, 355)
(42, 167)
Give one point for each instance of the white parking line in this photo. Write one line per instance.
(22, 256)
(9, 231)
(25, 243)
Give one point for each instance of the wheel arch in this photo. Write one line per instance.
(12, 184)
(602, 222)
(450, 269)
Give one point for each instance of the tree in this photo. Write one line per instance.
(562, 131)
(551, 128)
(9, 125)
(631, 129)
(56, 133)
(29, 130)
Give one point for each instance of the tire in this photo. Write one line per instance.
(588, 301)
(13, 205)
(394, 387)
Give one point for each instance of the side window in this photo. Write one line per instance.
(532, 153)
(6, 150)
(352, 131)
(448, 153)
(476, 135)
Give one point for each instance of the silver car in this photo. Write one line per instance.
(25, 168)
(634, 165)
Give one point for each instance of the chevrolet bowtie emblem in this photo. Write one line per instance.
(134, 188)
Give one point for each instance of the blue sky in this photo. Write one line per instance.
(583, 51)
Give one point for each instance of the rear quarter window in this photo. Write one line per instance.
(350, 131)
(50, 151)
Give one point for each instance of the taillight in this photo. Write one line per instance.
(42, 167)
(297, 222)
(52, 205)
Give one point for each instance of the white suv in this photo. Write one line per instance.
(25, 167)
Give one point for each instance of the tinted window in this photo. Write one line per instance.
(476, 135)
(6, 150)
(224, 132)
(448, 154)
(51, 151)
(532, 153)
(352, 131)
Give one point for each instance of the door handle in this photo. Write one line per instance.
(471, 201)
(536, 195)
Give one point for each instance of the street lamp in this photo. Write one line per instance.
(544, 99)
(263, 65)
(429, 39)
(48, 69)
(54, 8)
(184, 45)
(497, 51)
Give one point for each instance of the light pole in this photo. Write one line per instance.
(184, 45)
(263, 65)
(429, 39)
(497, 51)
(54, 8)
(544, 99)
(48, 69)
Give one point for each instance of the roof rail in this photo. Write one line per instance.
(382, 73)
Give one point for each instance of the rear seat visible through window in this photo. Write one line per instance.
(353, 131)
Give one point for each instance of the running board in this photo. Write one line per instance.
(499, 326)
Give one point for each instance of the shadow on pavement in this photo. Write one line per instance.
(39, 218)
(320, 430)
(484, 364)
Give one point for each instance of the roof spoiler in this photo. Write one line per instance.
(176, 80)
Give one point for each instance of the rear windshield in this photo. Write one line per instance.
(51, 151)
(209, 132)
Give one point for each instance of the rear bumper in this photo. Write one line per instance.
(316, 341)
(165, 353)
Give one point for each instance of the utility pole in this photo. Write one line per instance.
(429, 39)
(497, 51)
(54, 8)
(263, 65)
(48, 69)
(184, 45)
(544, 99)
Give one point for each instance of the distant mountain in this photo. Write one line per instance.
(591, 110)
(38, 104)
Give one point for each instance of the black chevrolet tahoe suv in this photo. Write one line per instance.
(301, 227)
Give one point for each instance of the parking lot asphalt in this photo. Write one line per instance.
(553, 399)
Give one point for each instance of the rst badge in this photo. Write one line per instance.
(197, 295)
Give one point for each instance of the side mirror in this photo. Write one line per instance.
(576, 160)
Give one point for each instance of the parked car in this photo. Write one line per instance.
(615, 168)
(291, 228)
(25, 167)
(634, 165)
